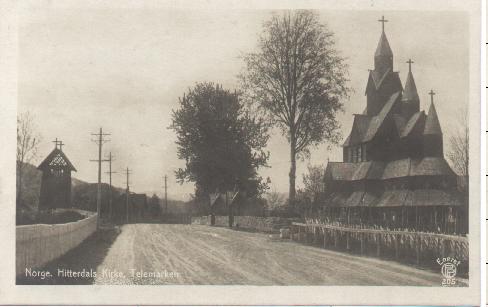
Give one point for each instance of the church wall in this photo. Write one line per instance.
(384, 146)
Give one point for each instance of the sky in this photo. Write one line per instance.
(124, 69)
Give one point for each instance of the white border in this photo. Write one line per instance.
(484, 170)
(234, 295)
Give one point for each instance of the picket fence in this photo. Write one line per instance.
(379, 242)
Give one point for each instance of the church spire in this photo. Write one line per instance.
(432, 125)
(410, 96)
(383, 57)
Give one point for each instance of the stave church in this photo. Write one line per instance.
(393, 173)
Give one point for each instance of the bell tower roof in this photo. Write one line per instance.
(383, 56)
(432, 125)
(383, 48)
(410, 92)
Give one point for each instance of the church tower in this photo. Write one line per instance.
(393, 161)
(383, 81)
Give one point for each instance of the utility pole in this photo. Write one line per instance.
(165, 194)
(99, 141)
(127, 191)
(110, 172)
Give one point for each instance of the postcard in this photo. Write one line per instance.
(227, 152)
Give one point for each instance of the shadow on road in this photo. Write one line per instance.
(82, 261)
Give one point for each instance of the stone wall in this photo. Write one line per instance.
(265, 224)
(38, 244)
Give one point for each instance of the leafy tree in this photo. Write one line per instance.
(298, 79)
(27, 144)
(222, 143)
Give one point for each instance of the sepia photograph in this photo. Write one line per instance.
(244, 146)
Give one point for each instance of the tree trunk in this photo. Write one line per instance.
(293, 169)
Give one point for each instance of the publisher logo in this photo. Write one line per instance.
(448, 270)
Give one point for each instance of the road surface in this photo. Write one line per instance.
(196, 254)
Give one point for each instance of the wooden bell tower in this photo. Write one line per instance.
(56, 179)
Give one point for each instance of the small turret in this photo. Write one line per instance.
(410, 98)
(433, 143)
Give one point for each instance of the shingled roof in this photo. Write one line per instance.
(348, 171)
(415, 119)
(58, 158)
(376, 79)
(383, 48)
(396, 198)
(430, 166)
(432, 125)
(410, 91)
(365, 127)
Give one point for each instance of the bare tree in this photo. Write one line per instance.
(458, 153)
(299, 80)
(27, 145)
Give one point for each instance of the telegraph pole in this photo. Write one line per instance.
(165, 194)
(110, 172)
(99, 141)
(127, 191)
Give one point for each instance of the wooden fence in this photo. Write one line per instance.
(38, 244)
(422, 248)
(265, 224)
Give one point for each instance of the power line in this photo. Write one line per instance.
(99, 141)
(165, 194)
(127, 191)
(110, 172)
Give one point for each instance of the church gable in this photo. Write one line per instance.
(56, 159)
(380, 120)
(377, 81)
(414, 124)
(358, 130)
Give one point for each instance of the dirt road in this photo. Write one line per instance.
(210, 255)
(194, 254)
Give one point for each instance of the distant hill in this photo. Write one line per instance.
(31, 186)
(83, 193)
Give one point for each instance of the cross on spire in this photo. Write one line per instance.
(410, 62)
(432, 93)
(382, 20)
(58, 143)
